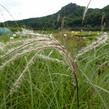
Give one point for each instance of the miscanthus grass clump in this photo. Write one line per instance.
(40, 71)
(36, 45)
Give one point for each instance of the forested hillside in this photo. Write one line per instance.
(69, 17)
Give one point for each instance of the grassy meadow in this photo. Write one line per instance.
(35, 78)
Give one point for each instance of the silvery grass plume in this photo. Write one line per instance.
(100, 40)
(85, 11)
(22, 44)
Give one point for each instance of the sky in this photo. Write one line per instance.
(22, 9)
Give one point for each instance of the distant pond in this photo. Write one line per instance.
(5, 31)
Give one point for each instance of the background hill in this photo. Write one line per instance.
(69, 17)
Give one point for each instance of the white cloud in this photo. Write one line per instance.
(21, 9)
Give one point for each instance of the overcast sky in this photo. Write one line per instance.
(21, 9)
